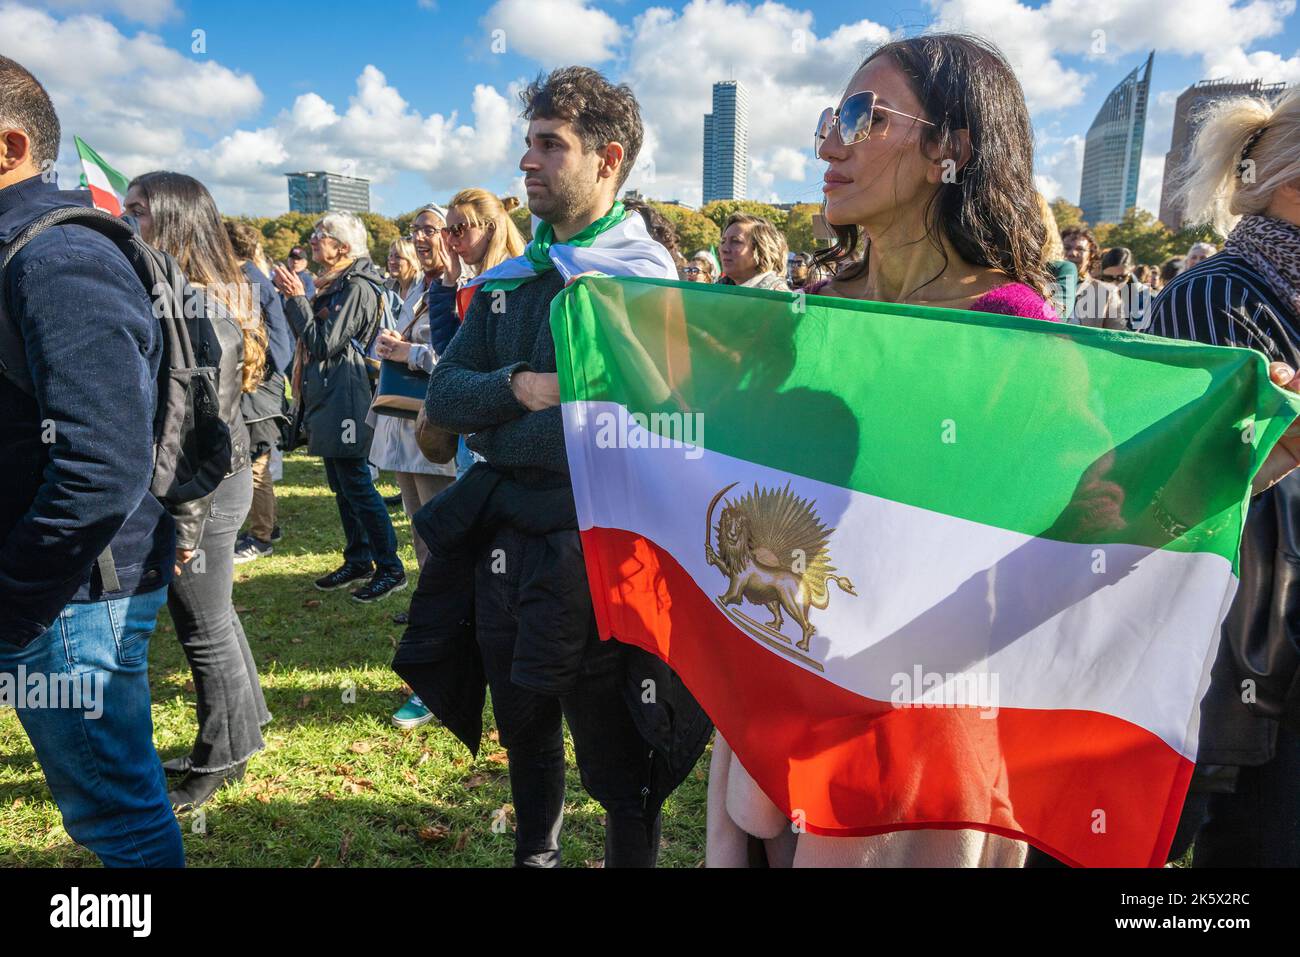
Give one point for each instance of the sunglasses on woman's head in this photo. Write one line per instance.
(857, 116)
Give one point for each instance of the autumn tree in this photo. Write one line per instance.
(799, 228)
(523, 220)
(383, 233)
(694, 230)
(1150, 241)
(721, 209)
(1067, 214)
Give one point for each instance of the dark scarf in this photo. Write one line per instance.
(1272, 246)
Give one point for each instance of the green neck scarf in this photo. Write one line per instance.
(537, 253)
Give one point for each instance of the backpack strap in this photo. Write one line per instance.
(13, 355)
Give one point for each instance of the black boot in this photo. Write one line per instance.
(177, 767)
(195, 788)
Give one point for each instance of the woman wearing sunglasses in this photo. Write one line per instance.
(930, 174)
(698, 269)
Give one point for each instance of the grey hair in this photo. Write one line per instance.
(347, 229)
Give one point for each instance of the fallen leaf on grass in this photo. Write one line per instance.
(462, 841)
(476, 780)
(304, 701)
(410, 777)
(188, 686)
(434, 832)
(344, 846)
(311, 603)
(361, 747)
(499, 757)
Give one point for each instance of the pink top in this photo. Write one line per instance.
(1013, 299)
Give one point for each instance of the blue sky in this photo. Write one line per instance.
(421, 96)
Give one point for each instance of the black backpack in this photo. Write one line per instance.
(191, 441)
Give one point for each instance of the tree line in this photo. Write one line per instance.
(1150, 241)
(696, 228)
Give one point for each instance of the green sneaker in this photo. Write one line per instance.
(412, 714)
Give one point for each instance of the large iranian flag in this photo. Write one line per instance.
(107, 186)
(924, 568)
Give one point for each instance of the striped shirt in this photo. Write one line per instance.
(1225, 301)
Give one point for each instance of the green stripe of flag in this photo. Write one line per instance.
(88, 155)
(1050, 430)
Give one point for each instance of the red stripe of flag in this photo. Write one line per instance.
(855, 766)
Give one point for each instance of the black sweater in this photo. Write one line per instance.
(469, 390)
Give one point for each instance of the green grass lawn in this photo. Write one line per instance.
(337, 784)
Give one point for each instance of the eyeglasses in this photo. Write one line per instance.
(318, 234)
(417, 231)
(692, 270)
(857, 116)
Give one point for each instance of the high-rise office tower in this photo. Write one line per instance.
(321, 192)
(1112, 155)
(726, 143)
(1188, 112)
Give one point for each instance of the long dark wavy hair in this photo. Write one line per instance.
(187, 225)
(990, 214)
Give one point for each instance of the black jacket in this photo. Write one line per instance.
(1255, 682)
(332, 330)
(190, 516)
(439, 655)
(93, 348)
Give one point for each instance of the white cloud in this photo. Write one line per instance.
(1237, 64)
(789, 71)
(131, 97)
(144, 106)
(377, 136)
(554, 32)
(151, 12)
(1059, 166)
(1027, 38)
(1035, 38)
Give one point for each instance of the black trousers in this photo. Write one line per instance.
(614, 761)
(1258, 824)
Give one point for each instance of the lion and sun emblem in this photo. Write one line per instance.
(774, 551)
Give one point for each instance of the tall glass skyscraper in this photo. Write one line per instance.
(1112, 154)
(726, 143)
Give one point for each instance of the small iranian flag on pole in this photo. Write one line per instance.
(106, 185)
(923, 568)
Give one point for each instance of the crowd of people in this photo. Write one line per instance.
(439, 367)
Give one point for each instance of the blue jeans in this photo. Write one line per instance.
(367, 529)
(98, 757)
